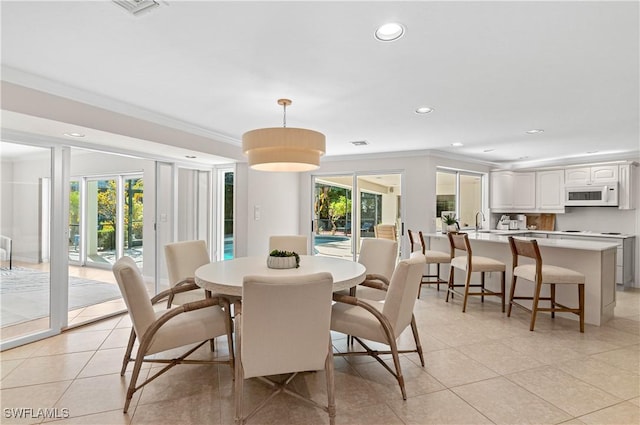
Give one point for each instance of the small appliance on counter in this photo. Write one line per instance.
(522, 221)
(504, 223)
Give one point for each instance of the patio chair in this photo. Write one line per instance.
(159, 331)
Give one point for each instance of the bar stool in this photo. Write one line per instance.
(432, 257)
(540, 274)
(470, 264)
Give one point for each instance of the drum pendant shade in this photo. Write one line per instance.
(283, 148)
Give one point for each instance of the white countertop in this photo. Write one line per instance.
(502, 236)
(557, 232)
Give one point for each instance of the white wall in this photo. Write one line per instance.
(6, 198)
(275, 197)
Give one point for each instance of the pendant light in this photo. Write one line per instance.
(283, 148)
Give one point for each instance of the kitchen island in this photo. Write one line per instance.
(596, 260)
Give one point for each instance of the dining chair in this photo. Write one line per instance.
(183, 258)
(295, 243)
(431, 257)
(542, 274)
(383, 321)
(470, 263)
(385, 231)
(282, 327)
(158, 331)
(379, 257)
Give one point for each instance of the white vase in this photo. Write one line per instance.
(281, 262)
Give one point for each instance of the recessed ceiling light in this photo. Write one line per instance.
(457, 144)
(535, 131)
(424, 110)
(74, 134)
(488, 150)
(190, 156)
(389, 32)
(359, 143)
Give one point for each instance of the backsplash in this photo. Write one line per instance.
(597, 219)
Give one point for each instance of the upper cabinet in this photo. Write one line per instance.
(627, 187)
(585, 176)
(544, 190)
(550, 191)
(512, 191)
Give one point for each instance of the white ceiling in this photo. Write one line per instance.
(215, 69)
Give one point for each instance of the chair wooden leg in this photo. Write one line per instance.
(534, 306)
(134, 378)
(511, 294)
(482, 286)
(581, 305)
(229, 328)
(331, 398)
(416, 338)
(503, 289)
(127, 354)
(553, 300)
(396, 362)
(466, 290)
(438, 276)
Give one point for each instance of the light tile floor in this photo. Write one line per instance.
(481, 367)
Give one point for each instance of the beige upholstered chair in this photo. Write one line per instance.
(188, 324)
(283, 327)
(432, 257)
(472, 264)
(379, 257)
(385, 231)
(6, 254)
(295, 243)
(383, 321)
(540, 274)
(183, 258)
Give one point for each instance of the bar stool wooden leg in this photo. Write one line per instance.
(511, 293)
(466, 291)
(450, 286)
(482, 286)
(534, 307)
(553, 300)
(437, 278)
(502, 288)
(581, 305)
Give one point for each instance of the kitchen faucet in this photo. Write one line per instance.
(478, 225)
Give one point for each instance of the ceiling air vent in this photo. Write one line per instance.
(359, 143)
(135, 7)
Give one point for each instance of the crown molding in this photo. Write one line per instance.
(36, 82)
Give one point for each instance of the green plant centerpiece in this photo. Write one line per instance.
(283, 259)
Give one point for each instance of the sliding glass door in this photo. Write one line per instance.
(347, 208)
(25, 278)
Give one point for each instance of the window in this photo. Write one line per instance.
(460, 192)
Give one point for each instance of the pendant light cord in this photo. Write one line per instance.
(284, 118)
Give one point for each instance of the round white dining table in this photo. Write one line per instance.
(225, 277)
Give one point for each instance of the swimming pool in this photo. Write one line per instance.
(323, 239)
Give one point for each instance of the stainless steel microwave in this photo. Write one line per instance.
(601, 195)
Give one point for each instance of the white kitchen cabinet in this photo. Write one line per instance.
(501, 189)
(627, 187)
(585, 176)
(513, 192)
(550, 191)
(524, 191)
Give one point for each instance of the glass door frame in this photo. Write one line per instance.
(355, 205)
